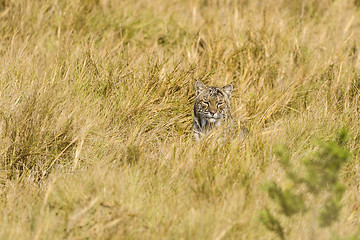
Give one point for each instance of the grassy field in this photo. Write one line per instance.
(96, 102)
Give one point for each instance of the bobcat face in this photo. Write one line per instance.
(211, 108)
(212, 105)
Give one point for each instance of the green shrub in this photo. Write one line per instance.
(308, 188)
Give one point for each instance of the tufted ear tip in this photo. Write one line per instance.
(228, 89)
(199, 87)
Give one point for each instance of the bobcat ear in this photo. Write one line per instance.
(199, 87)
(228, 89)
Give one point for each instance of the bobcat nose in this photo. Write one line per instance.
(212, 112)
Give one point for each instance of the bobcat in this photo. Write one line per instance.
(211, 108)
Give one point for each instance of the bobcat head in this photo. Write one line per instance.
(211, 108)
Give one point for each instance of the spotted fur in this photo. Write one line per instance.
(211, 108)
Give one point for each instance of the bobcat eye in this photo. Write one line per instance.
(219, 104)
(205, 104)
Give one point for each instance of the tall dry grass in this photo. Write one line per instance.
(96, 109)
